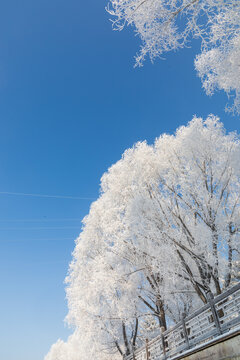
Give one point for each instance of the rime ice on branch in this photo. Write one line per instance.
(163, 233)
(169, 25)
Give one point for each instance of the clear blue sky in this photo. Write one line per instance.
(70, 104)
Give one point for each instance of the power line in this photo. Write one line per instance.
(47, 196)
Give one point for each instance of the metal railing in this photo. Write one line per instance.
(218, 316)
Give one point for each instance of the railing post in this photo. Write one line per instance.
(185, 330)
(133, 353)
(163, 343)
(147, 352)
(214, 312)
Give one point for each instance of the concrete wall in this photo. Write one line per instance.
(225, 350)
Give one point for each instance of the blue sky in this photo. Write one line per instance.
(70, 104)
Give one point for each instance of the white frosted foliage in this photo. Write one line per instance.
(219, 69)
(170, 25)
(163, 233)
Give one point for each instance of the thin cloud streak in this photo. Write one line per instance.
(46, 196)
(36, 240)
(42, 228)
(39, 220)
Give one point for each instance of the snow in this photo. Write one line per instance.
(161, 234)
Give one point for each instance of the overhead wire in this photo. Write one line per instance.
(43, 219)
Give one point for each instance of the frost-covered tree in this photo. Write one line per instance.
(169, 25)
(99, 287)
(163, 233)
(219, 69)
(191, 203)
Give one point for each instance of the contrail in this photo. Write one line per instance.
(41, 228)
(47, 196)
(40, 220)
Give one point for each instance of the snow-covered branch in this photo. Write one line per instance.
(169, 25)
(163, 233)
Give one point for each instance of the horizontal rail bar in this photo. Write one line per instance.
(217, 315)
